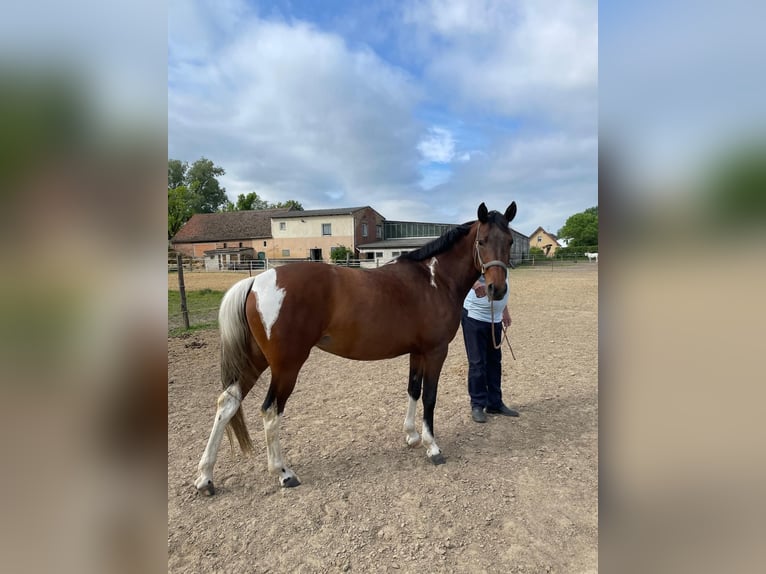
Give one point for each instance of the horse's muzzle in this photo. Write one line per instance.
(495, 293)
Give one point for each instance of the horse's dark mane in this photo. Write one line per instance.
(438, 245)
(448, 239)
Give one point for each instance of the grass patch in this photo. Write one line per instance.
(203, 310)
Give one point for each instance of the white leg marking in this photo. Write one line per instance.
(432, 267)
(269, 298)
(413, 438)
(428, 441)
(273, 449)
(228, 403)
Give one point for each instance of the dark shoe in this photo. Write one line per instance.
(503, 410)
(477, 414)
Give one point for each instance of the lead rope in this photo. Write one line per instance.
(482, 268)
(495, 344)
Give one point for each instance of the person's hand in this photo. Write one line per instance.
(506, 318)
(480, 289)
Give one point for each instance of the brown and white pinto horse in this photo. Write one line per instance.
(411, 305)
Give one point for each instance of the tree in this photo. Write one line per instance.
(193, 190)
(201, 179)
(176, 173)
(180, 202)
(581, 229)
(251, 201)
(339, 253)
(228, 206)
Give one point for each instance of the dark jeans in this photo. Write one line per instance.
(484, 362)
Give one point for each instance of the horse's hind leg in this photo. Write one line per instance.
(229, 402)
(281, 387)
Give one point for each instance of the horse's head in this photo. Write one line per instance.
(492, 248)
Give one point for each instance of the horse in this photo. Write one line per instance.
(591, 256)
(411, 305)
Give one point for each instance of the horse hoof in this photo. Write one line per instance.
(437, 459)
(291, 482)
(413, 443)
(207, 489)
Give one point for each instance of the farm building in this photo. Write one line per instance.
(548, 242)
(236, 236)
(213, 234)
(314, 234)
(231, 239)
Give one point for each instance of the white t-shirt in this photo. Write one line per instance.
(479, 307)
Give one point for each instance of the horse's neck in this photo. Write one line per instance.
(457, 266)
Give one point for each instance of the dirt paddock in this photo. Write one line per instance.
(516, 495)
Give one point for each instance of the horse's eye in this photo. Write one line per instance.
(481, 242)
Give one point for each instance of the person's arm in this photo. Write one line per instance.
(506, 317)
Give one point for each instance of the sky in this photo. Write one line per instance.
(422, 110)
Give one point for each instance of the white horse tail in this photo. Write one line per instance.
(236, 349)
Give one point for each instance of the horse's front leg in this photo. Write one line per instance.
(433, 367)
(413, 391)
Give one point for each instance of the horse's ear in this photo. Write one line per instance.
(510, 213)
(483, 213)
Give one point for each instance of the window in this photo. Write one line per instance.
(285, 253)
(264, 244)
(539, 238)
(395, 254)
(327, 229)
(282, 225)
(379, 232)
(240, 244)
(364, 230)
(378, 254)
(224, 245)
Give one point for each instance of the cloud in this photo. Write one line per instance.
(293, 111)
(487, 101)
(549, 176)
(438, 146)
(517, 59)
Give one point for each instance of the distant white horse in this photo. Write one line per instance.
(591, 256)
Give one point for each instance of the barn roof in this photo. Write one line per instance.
(227, 226)
(397, 243)
(324, 212)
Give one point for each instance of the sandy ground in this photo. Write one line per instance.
(516, 495)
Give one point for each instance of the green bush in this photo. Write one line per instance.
(339, 253)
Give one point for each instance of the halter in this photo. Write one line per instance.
(483, 268)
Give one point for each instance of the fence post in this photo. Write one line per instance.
(182, 290)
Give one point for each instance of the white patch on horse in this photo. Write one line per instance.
(432, 268)
(269, 298)
(413, 438)
(432, 448)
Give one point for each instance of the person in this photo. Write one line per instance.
(484, 361)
